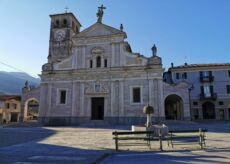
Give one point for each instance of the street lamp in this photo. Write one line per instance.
(189, 97)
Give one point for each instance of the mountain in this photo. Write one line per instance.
(13, 82)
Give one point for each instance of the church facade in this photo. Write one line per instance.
(94, 75)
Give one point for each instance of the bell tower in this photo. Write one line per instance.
(63, 27)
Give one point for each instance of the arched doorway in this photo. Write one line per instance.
(174, 108)
(208, 109)
(31, 109)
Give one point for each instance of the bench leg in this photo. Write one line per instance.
(160, 139)
(116, 144)
(149, 144)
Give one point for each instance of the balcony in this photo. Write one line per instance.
(213, 96)
(206, 79)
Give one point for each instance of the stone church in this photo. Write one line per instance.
(93, 74)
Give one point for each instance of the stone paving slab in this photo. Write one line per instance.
(86, 145)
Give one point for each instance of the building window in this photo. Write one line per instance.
(136, 95)
(57, 22)
(221, 103)
(206, 74)
(15, 106)
(62, 96)
(184, 75)
(228, 89)
(65, 22)
(98, 61)
(7, 105)
(195, 103)
(229, 73)
(105, 63)
(91, 64)
(97, 87)
(177, 75)
(229, 112)
(207, 90)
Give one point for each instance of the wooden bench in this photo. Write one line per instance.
(187, 137)
(145, 136)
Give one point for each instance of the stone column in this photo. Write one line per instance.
(121, 99)
(161, 98)
(113, 55)
(49, 99)
(83, 57)
(112, 99)
(74, 103)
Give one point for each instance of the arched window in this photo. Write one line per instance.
(98, 61)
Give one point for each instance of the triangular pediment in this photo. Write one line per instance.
(99, 29)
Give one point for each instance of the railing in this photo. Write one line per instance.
(212, 96)
(206, 79)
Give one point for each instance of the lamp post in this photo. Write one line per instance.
(189, 97)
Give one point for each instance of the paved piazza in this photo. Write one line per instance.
(89, 145)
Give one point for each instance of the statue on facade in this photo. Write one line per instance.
(100, 13)
(121, 27)
(154, 50)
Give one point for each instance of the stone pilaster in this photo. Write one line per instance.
(121, 99)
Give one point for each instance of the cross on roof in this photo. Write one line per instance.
(102, 7)
(66, 9)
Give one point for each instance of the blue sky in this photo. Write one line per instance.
(196, 31)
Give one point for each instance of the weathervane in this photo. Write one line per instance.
(100, 13)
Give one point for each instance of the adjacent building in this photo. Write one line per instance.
(9, 108)
(209, 88)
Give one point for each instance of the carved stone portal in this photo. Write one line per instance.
(96, 87)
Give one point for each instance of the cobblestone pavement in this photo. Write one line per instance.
(85, 144)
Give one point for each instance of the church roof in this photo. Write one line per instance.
(100, 29)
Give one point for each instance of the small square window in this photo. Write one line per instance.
(136, 95)
(221, 103)
(63, 97)
(195, 103)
